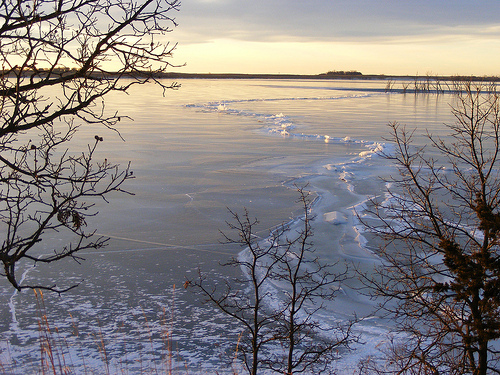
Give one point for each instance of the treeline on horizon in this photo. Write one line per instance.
(333, 74)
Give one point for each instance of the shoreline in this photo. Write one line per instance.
(355, 76)
(325, 76)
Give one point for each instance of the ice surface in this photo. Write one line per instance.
(202, 149)
(335, 218)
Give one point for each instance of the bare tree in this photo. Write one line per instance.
(441, 274)
(249, 309)
(287, 315)
(308, 283)
(60, 59)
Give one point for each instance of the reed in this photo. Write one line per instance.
(59, 356)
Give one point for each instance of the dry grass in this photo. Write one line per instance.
(59, 356)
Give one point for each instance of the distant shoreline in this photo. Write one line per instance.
(178, 75)
(333, 75)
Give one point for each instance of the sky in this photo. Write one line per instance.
(404, 37)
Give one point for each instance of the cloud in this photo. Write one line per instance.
(313, 36)
(330, 20)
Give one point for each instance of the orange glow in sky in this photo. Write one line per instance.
(373, 37)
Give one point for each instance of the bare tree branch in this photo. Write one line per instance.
(60, 59)
(286, 258)
(441, 277)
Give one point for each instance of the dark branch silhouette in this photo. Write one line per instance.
(287, 259)
(440, 279)
(60, 59)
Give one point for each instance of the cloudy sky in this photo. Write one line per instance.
(315, 36)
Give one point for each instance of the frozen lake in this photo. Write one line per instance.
(209, 146)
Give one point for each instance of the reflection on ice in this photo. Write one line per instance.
(241, 144)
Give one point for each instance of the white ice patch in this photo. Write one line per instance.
(283, 125)
(374, 150)
(335, 218)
